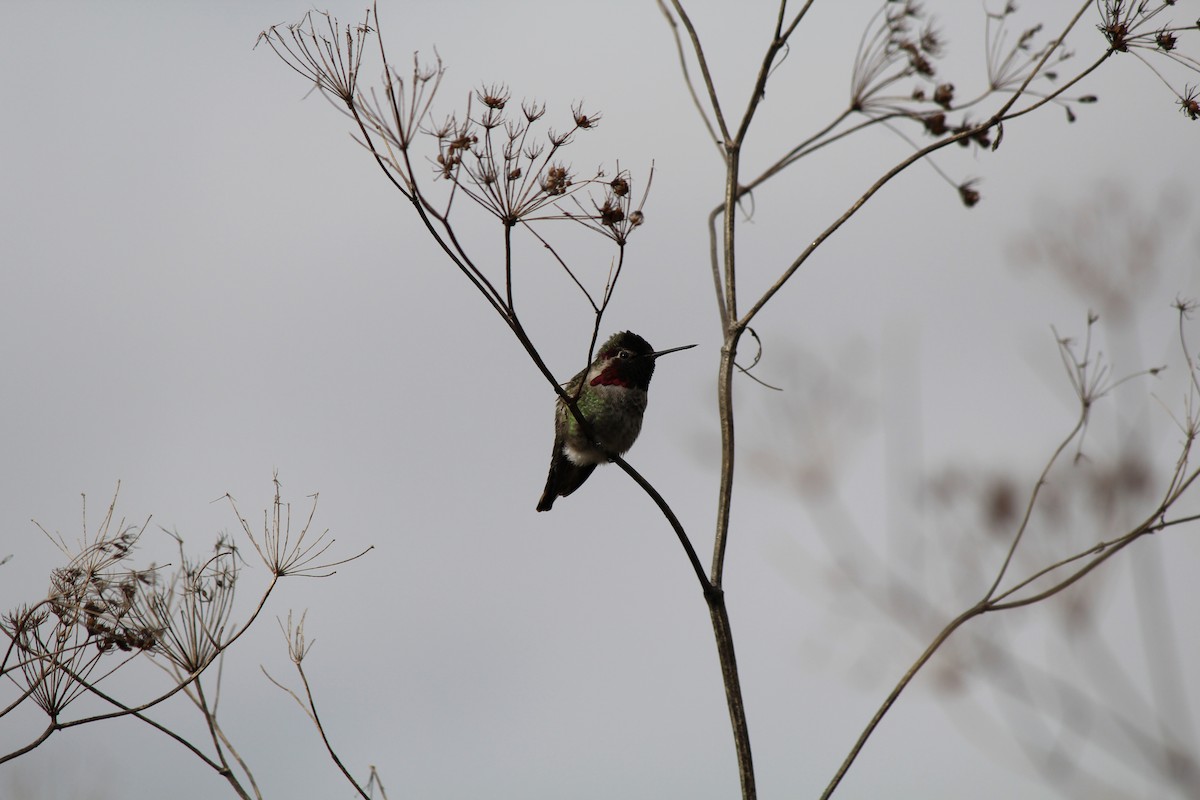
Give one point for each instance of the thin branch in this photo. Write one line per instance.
(324, 738)
(210, 721)
(894, 695)
(45, 734)
(723, 634)
(702, 60)
(999, 117)
(778, 42)
(687, 78)
(725, 490)
(666, 510)
(570, 273)
(1033, 496)
(715, 263)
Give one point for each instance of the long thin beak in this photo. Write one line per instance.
(658, 353)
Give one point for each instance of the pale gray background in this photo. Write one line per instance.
(204, 279)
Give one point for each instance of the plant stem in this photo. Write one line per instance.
(723, 634)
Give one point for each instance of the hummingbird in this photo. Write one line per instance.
(611, 396)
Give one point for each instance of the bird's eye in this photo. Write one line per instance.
(623, 354)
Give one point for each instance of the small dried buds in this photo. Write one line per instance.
(611, 214)
(891, 51)
(935, 124)
(1132, 27)
(582, 120)
(614, 215)
(454, 140)
(89, 611)
(968, 193)
(556, 180)
(477, 153)
(98, 591)
(980, 138)
(493, 97)
(944, 95)
(1188, 102)
(1121, 19)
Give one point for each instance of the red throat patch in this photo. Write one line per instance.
(610, 377)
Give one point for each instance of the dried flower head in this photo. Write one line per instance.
(1189, 104)
(611, 214)
(190, 611)
(298, 646)
(1010, 66)
(533, 110)
(327, 53)
(557, 180)
(968, 193)
(891, 51)
(935, 124)
(53, 663)
(977, 137)
(1117, 33)
(90, 611)
(944, 95)
(917, 60)
(559, 138)
(583, 120)
(494, 97)
(285, 552)
(1136, 26)
(614, 214)
(499, 160)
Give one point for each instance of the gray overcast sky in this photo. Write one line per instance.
(204, 280)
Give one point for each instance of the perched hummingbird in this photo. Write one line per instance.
(612, 399)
